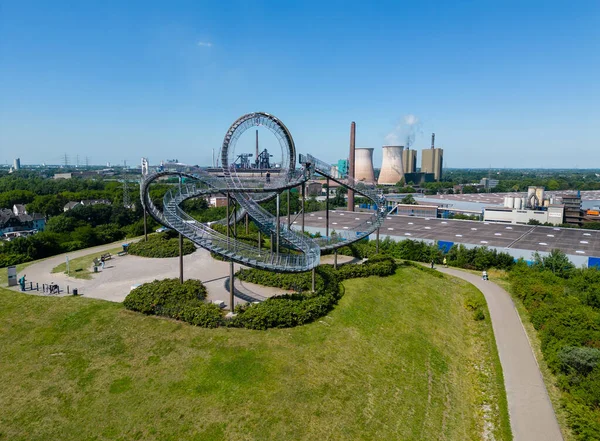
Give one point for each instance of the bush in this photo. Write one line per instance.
(478, 258)
(581, 360)
(159, 245)
(290, 310)
(562, 305)
(181, 301)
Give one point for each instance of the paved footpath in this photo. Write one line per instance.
(532, 417)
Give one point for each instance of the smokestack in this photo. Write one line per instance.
(351, 164)
(433, 140)
(256, 157)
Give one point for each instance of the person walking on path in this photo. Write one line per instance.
(103, 260)
(22, 281)
(432, 263)
(445, 263)
(268, 178)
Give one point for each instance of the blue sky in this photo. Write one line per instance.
(506, 84)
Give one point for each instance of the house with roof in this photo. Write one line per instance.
(17, 222)
(86, 202)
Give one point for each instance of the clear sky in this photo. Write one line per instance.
(501, 83)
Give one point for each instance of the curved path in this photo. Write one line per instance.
(532, 417)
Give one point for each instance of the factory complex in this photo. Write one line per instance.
(520, 241)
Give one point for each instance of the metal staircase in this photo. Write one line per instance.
(301, 253)
(173, 216)
(364, 229)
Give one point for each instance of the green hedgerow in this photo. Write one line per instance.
(181, 301)
(290, 310)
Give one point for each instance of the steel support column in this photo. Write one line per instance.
(327, 211)
(335, 259)
(303, 197)
(180, 258)
(227, 215)
(231, 289)
(377, 242)
(288, 209)
(313, 280)
(277, 228)
(145, 225)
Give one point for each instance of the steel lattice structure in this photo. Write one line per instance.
(303, 253)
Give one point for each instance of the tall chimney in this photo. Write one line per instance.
(351, 164)
(433, 140)
(256, 157)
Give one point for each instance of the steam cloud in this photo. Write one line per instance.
(407, 129)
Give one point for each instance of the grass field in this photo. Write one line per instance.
(81, 267)
(398, 358)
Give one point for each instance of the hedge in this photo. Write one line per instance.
(564, 309)
(170, 298)
(290, 310)
(185, 301)
(478, 258)
(160, 245)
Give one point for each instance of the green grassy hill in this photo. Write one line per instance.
(399, 358)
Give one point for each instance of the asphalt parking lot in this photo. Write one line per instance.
(524, 237)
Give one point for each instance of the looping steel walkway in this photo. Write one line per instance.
(532, 417)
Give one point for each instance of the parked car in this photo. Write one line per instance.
(162, 229)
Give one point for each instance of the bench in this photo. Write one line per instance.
(106, 256)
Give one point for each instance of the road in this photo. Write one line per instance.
(532, 417)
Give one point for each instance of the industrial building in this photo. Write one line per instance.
(17, 164)
(536, 205)
(520, 241)
(409, 160)
(342, 167)
(392, 170)
(364, 165)
(573, 212)
(432, 160)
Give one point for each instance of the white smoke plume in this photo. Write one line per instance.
(405, 131)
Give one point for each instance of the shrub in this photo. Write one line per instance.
(151, 298)
(561, 302)
(290, 310)
(181, 301)
(159, 245)
(579, 359)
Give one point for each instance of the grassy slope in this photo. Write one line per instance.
(399, 358)
(81, 267)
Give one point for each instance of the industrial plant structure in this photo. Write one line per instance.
(523, 209)
(392, 170)
(432, 160)
(409, 160)
(364, 165)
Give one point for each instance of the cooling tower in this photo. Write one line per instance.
(363, 162)
(391, 165)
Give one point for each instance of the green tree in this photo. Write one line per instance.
(408, 200)
(556, 261)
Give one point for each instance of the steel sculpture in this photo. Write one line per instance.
(291, 250)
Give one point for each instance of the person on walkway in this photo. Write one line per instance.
(22, 281)
(445, 263)
(103, 260)
(268, 178)
(432, 263)
(484, 275)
